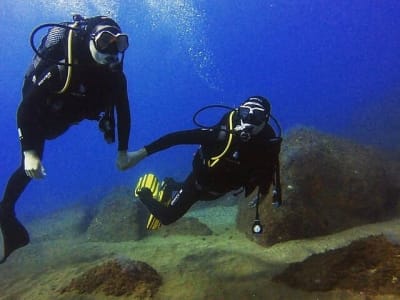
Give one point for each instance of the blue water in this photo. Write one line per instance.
(333, 65)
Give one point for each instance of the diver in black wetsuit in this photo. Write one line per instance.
(241, 151)
(76, 74)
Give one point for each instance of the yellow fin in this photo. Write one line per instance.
(150, 181)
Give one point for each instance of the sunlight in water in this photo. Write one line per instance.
(181, 19)
(86, 8)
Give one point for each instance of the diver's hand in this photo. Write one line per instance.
(126, 160)
(33, 166)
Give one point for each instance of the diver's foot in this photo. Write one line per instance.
(145, 194)
(14, 234)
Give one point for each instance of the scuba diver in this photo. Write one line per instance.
(241, 151)
(76, 74)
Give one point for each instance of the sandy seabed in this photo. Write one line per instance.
(225, 265)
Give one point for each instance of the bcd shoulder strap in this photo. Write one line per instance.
(215, 159)
(69, 58)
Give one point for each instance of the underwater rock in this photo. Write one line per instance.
(370, 265)
(328, 184)
(118, 219)
(117, 277)
(69, 222)
(185, 226)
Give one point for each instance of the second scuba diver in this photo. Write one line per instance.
(241, 151)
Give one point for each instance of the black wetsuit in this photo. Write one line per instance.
(45, 114)
(248, 164)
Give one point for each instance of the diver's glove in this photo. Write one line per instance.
(126, 160)
(33, 166)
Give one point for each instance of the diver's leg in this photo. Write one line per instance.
(15, 186)
(172, 185)
(14, 233)
(179, 205)
(169, 187)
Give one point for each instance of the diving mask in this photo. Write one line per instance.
(252, 113)
(103, 58)
(112, 43)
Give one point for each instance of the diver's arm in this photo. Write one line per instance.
(123, 113)
(124, 160)
(30, 129)
(187, 137)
